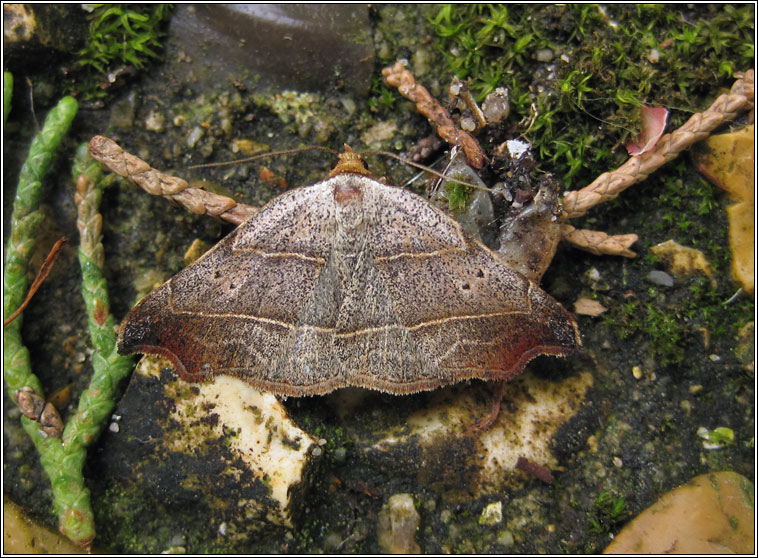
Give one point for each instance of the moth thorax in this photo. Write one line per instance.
(347, 192)
(348, 196)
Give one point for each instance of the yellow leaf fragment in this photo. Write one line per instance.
(682, 260)
(742, 241)
(728, 161)
(22, 535)
(711, 514)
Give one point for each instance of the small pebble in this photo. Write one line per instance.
(421, 61)
(661, 278)
(637, 372)
(398, 522)
(340, 455)
(505, 538)
(517, 148)
(194, 136)
(544, 55)
(496, 106)
(492, 514)
(122, 112)
(468, 124)
(154, 122)
(349, 105)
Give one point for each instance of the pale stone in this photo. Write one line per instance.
(440, 434)
(379, 132)
(155, 121)
(492, 514)
(398, 522)
(728, 160)
(224, 425)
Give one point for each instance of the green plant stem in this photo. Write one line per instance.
(63, 463)
(64, 458)
(110, 368)
(24, 225)
(63, 469)
(7, 94)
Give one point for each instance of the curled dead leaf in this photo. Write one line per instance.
(653, 124)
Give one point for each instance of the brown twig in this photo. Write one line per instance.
(196, 200)
(398, 76)
(610, 184)
(44, 271)
(599, 243)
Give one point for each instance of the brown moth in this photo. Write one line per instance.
(349, 282)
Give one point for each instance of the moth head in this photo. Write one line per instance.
(350, 161)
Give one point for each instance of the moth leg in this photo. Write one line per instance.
(484, 423)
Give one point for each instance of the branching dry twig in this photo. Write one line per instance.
(398, 76)
(154, 182)
(610, 184)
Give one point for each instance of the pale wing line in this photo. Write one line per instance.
(419, 255)
(346, 334)
(409, 255)
(259, 252)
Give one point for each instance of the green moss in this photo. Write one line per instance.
(608, 510)
(457, 195)
(120, 35)
(602, 69)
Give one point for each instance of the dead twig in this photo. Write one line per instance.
(599, 243)
(398, 76)
(137, 171)
(610, 184)
(44, 271)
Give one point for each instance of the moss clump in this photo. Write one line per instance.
(608, 511)
(577, 66)
(120, 36)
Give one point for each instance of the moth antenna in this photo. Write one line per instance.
(264, 155)
(427, 169)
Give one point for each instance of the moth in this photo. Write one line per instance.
(349, 282)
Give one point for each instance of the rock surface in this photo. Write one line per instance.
(221, 443)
